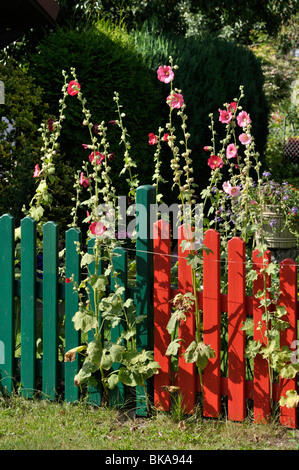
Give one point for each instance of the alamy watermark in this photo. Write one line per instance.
(136, 221)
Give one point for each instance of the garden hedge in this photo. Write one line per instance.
(20, 143)
(106, 61)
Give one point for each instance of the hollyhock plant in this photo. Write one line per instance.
(231, 151)
(165, 73)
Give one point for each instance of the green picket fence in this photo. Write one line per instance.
(50, 370)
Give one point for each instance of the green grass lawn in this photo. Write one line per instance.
(45, 425)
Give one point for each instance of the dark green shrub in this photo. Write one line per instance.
(210, 74)
(106, 61)
(20, 143)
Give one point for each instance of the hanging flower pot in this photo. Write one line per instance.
(276, 233)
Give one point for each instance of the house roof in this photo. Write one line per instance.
(19, 15)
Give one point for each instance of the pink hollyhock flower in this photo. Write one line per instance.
(231, 151)
(67, 280)
(176, 100)
(243, 119)
(36, 171)
(207, 148)
(97, 228)
(225, 116)
(99, 160)
(152, 139)
(165, 137)
(245, 139)
(234, 191)
(83, 180)
(232, 107)
(215, 162)
(73, 88)
(165, 73)
(226, 186)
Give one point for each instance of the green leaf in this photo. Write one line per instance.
(252, 349)
(94, 351)
(98, 282)
(200, 353)
(112, 381)
(291, 400)
(173, 347)
(127, 377)
(116, 350)
(84, 321)
(87, 259)
(85, 372)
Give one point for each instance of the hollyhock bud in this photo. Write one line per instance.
(36, 171)
(83, 180)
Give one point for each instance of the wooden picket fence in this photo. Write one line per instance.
(152, 293)
(51, 371)
(237, 305)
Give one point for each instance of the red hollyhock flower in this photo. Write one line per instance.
(73, 88)
(215, 162)
(152, 139)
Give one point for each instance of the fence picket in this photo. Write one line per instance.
(50, 309)
(145, 199)
(211, 323)
(95, 392)
(120, 266)
(236, 303)
(28, 306)
(72, 336)
(187, 371)
(288, 298)
(7, 315)
(162, 312)
(261, 382)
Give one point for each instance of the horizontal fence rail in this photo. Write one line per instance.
(45, 300)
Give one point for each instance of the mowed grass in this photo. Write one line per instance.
(44, 425)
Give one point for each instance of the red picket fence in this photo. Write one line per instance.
(213, 303)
